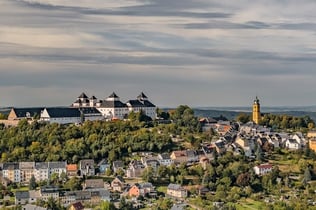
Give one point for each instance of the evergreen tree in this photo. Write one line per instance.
(32, 185)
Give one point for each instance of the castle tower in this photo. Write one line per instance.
(256, 111)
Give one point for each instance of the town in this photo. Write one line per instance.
(106, 154)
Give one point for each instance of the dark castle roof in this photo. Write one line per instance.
(27, 112)
(83, 95)
(113, 104)
(63, 112)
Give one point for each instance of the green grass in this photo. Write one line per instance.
(162, 189)
(249, 204)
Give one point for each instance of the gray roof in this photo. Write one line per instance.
(178, 206)
(59, 112)
(148, 104)
(94, 183)
(10, 166)
(22, 194)
(33, 207)
(175, 187)
(58, 164)
(145, 185)
(86, 162)
(41, 165)
(112, 104)
(165, 156)
(118, 164)
(27, 165)
(135, 103)
(89, 110)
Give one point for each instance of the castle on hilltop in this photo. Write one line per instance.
(113, 108)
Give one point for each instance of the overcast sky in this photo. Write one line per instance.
(194, 52)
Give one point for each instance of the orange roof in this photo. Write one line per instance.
(72, 167)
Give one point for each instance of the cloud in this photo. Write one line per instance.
(216, 52)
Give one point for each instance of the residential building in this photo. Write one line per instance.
(72, 170)
(118, 184)
(41, 171)
(135, 169)
(179, 156)
(76, 206)
(103, 165)
(176, 191)
(94, 184)
(27, 170)
(86, 167)
(118, 165)
(312, 144)
(142, 189)
(21, 197)
(311, 134)
(292, 144)
(11, 171)
(263, 169)
(57, 167)
(164, 159)
(48, 192)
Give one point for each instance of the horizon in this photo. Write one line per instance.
(194, 52)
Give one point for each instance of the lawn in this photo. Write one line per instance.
(162, 189)
(249, 204)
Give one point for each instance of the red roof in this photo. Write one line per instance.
(265, 166)
(78, 206)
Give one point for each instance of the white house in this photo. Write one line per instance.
(58, 167)
(61, 115)
(41, 171)
(12, 172)
(164, 159)
(299, 138)
(263, 169)
(176, 191)
(292, 144)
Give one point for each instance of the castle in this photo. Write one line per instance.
(113, 108)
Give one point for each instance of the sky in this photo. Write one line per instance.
(195, 52)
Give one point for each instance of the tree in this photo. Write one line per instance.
(259, 153)
(73, 184)
(32, 185)
(243, 118)
(105, 205)
(307, 176)
(148, 174)
(243, 179)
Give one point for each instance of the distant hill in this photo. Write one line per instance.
(5, 110)
(232, 112)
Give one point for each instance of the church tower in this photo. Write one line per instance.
(256, 111)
